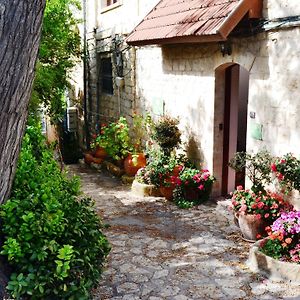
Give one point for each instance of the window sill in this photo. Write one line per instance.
(111, 7)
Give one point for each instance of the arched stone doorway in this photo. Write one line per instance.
(230, 124)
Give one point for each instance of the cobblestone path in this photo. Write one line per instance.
(162, 252)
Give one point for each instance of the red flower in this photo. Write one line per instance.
(258, 236)
(273, 168)
(260, 205)
(280, 176)
(258, 216)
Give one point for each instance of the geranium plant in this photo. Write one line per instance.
(284, 238)
(193, 186)
(264, 205)
(114, 138)
(287, 171)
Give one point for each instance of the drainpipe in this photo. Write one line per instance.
(86, 124)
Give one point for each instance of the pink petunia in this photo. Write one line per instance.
(201, 187)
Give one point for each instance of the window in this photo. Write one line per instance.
(106, 78)
(110, 2)
(107, 5)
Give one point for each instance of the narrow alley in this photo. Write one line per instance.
(162, 252)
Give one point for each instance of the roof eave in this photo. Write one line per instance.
(232, 20)
(179, 40)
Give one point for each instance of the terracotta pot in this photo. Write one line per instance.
(251, 226)
(88, 158)
(133, 163)
(191, 193)
(100, 153)
(176, 170)
(167, 191)
(98, 160)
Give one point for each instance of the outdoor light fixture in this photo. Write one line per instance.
(225, 48)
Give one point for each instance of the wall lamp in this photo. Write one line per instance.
(225, 48)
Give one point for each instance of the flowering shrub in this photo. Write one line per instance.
(266, 205)
(115, 139)
(284, 238)
(287, 171)
(255, 165)
(193, 186)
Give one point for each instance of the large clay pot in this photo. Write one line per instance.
(251, 226)
(88, 158)
(176, 170)
(191, 193)
(133, 163)
(100, 153)
(167, 191)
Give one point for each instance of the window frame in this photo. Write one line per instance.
(106, 76)
(107, 5)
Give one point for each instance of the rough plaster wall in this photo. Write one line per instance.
(184, 78)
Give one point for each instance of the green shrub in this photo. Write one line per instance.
(53, 239)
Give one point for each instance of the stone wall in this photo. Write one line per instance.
(183, 78)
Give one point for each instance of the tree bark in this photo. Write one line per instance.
(20, 30)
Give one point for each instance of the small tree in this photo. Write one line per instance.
(256, 166)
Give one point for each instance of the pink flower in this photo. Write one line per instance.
(243, 208)
(283, 161)
(258, 216)
(201, 187)
(267, 216)
(273, 168)
(260, 205)
(239, 187)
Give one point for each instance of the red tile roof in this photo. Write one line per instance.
(182, 21)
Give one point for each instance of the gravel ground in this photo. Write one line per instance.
(162, 252)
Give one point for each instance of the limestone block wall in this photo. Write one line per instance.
(183, 79)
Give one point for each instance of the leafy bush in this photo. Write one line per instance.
(256, 166)
(167, 133)
(287, 171)
(115, 139)
(53, 241)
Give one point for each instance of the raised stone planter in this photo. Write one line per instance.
(272, 268)
(144, 190)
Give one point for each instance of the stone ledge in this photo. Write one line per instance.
(272, 268)
(144, 190)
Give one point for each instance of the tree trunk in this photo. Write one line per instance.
(20, 30)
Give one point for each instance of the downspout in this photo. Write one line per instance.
(85, 105)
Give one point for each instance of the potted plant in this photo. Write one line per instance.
(287, 172)
(136, 159)
(257, 210)
(115, 139)
(167, 134)
(256, 167)
(193, 186)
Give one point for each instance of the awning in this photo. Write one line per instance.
(192, 21)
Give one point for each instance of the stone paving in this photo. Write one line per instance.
(162, 252)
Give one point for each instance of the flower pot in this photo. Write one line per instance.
(251, 226)
(133, 163)
(88, 158)
(167, 191)
(100, 153)
(191, 193)
(176, 170)
(97, 160)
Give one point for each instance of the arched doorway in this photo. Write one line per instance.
(230, 123)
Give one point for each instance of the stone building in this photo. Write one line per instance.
(227, 69)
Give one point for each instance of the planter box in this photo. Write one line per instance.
(272, 268)
(144, 190)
